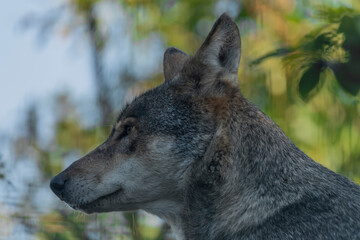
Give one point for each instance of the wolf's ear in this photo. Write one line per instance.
(174, 61)
(219, 56)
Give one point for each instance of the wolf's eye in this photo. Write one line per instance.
(128, 129)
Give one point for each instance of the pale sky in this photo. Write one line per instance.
(32, 71)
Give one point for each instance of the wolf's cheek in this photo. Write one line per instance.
(160, 149)
(149, 171)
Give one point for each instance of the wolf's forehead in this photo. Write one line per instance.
(148, 101)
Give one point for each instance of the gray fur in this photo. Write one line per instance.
(210, 163)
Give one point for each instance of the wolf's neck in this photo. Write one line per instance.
(170, 211)
(248, 175)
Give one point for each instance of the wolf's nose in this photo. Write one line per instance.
(57, 184)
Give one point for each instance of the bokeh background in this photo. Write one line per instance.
(68, 66)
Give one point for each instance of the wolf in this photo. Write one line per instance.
(196, 153)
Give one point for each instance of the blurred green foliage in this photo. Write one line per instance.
(289, 55)
(333, 45)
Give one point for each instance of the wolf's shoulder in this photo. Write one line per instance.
(332, 212)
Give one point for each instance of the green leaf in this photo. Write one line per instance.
(321, 41)
(348, 76)
(350, 27)
(310, 79)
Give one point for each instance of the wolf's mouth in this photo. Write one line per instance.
(96, 202)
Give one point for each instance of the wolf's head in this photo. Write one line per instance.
(161, 135)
